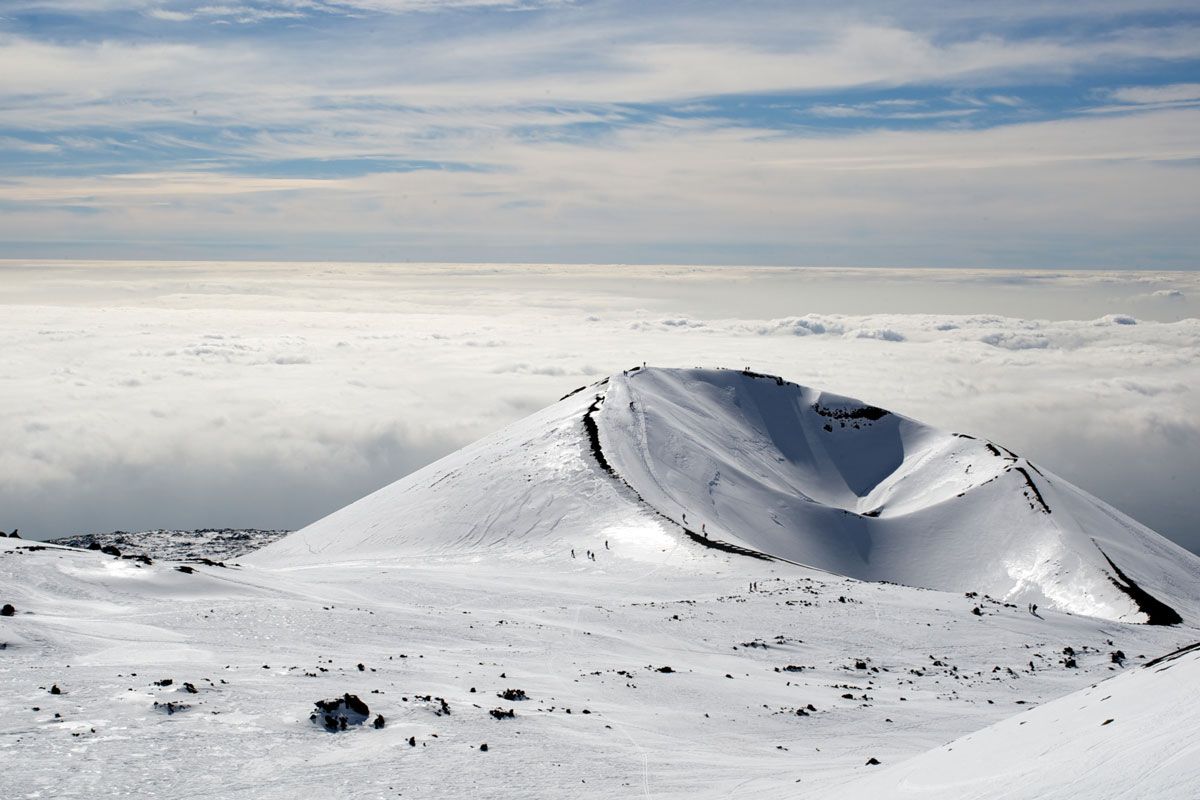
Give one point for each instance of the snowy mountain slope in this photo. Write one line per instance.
(529, 491)
(760, 466)
(787, 690)
(1131, 736)
(834, 483)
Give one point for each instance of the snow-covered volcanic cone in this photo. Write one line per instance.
(755, 465)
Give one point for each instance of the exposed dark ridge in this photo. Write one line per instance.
(994, 449)
(1033, 486)
(1033, 467)
(1157, 612)
(717, 544)
(964, 435)
(593, 433)
(778, 380)
(571, 393)
(1174, 654)
(872, 413)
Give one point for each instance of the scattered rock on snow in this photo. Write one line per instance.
(339, 713)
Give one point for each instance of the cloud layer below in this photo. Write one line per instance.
(188, 395)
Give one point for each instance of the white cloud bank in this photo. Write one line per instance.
(135, 395)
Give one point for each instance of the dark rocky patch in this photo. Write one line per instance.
(593, 433)
(871, 413)
(1173, 655)
(1033, 487)
(442, 707)
(340, 713)
(179, 545)
(1156, 611)
(8, 610)
(571, 393)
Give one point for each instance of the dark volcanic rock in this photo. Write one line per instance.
(340, 713)
(179, 545)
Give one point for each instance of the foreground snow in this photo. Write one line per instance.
(1133, 736)
(649, 666)
(261, 646)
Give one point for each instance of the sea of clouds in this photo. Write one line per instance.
(140, 395)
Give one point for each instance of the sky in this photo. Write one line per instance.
(140, 395)
(1047, 134)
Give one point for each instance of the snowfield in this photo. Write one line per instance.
(547, 570)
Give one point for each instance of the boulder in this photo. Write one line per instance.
(340, 713)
